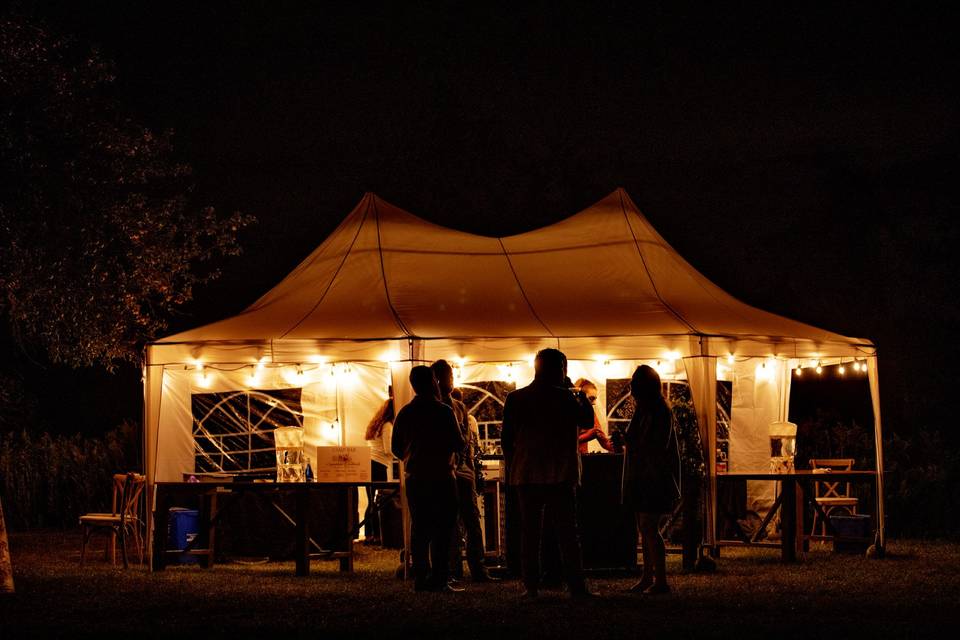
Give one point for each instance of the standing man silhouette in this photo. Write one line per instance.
(466, 485)
(539, 439)
(427, 438)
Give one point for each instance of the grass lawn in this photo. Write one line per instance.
(914, 592)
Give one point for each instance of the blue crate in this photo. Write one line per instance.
(182, 527)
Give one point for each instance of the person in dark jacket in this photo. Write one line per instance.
(539, 440)
(427, 438)
(469, 514)
(651, 473)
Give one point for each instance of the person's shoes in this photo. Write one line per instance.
(640, 587)
(656, 589)
(449, 588)
(454, 579)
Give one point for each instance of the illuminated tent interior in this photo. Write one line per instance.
(388, 290)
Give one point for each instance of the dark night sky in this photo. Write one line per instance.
(806, 162)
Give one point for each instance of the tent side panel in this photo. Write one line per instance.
(702, 376)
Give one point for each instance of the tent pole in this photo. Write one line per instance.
(874, 377)
(702, 376)
(145, 446)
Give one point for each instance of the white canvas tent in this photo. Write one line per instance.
(388, 289)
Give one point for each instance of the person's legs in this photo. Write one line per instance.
(470, 517)
(531, 520)
(646, 577)
(649, 524)
(420, 533)
(561, 512)
(550, 557)
(444, 520)
(372, 516)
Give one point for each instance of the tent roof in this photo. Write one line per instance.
(386, 274)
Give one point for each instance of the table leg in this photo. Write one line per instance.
(211, 530)
(788, 521)
(346, 564)
(160, 516)
(798, 529)
(302, 533)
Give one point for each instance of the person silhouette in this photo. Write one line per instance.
(651, 473)
(427, 438)
(539, 440)
(469, 514)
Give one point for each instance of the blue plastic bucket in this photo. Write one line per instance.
(182, 528)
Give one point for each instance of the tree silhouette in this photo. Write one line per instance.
(100, 241)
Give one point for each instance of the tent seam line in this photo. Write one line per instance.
(524, 293)
(653, 284)
(332, 279)
(383, 273)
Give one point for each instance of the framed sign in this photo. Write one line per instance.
(342, 464)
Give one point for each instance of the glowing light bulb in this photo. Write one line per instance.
(819, 368)
(842, 370)
(730, 358)
(799, 371)
(856, 365)
(202, 379)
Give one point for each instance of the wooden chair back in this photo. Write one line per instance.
(127, 489)
(825, 488)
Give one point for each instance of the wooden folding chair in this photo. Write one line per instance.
(123, 522)
(831, 495)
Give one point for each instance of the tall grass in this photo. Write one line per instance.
(50, 480)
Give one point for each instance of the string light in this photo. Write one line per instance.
(856, 365)
(730, 358)
(819, 368)
(799, 370)
(202, 377)
(842, 369)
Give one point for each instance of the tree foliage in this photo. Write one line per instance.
(100, 240)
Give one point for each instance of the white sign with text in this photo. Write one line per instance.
(342, 464)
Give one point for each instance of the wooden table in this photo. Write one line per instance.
(797, 487)
(211, 491)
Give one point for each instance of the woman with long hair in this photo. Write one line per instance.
(379, 435)
(651, 474)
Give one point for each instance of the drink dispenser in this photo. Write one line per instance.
(290, 458)
(783, 446)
